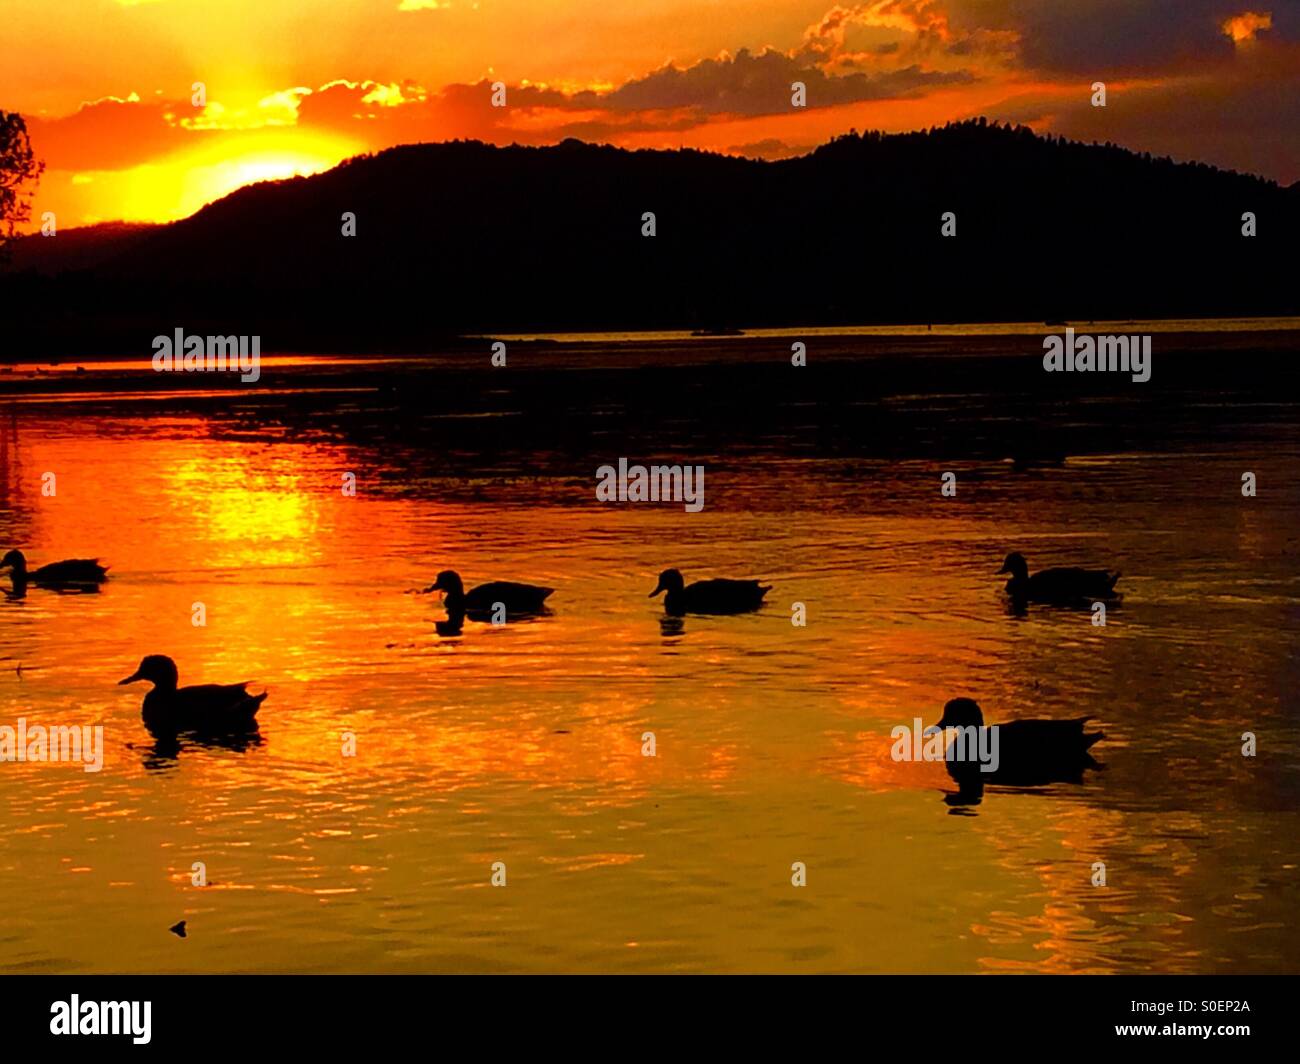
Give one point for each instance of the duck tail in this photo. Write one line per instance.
(1115, 580)
(1090, 738)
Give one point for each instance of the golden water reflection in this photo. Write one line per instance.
(524, 744)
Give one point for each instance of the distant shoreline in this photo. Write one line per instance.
(900, 333)
(543, 372)
(901, 329)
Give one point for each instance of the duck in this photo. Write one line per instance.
(516, 598)
(75, 572)
(708, 596)
(206, 709)
(1030, 753)
(1056, 585)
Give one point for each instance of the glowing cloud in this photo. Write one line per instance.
(1242, 28)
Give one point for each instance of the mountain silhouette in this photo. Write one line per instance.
(467, 237)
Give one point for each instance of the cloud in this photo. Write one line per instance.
(108, 134)
(902, 31)
(1246, 26)
(1110, 38)
(747, 84)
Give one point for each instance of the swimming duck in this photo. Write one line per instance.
(1056, 585)
(516, 598)
(1030, 753)
(75, 572)
(708, 596)
(208, 709)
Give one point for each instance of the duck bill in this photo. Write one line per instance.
(1004, 569)
(130, 679)
(658, 588)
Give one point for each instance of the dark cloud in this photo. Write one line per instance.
(610, 129)
(748, 84)
(1114, 37)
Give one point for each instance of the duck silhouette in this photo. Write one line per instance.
(1028, 753)
(1056, 586)
(518, 599)
(205, 709)
(718, 596)
(73, 573)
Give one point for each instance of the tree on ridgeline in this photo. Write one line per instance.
(19, 168)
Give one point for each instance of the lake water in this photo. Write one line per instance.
(523, 744)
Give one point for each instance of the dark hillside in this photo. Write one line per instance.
(464, 237)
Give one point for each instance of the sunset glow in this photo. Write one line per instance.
(109, 86)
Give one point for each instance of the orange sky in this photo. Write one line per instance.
(108, 85)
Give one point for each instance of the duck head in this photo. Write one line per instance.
(670, 580)
(16, 560)
(961, 713)
(449, 583)
(158, 669)
(1016, 565)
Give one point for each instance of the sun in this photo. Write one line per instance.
(178, 185)
(211, 182)
(213, 173)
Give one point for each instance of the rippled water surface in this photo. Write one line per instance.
(523, 744)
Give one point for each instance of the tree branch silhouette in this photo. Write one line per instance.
(19, 168)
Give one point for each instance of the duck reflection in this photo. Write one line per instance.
(451, 626)
(165, 751)
(1018, 607)
(671, 626)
